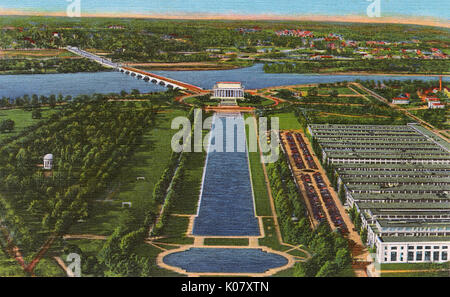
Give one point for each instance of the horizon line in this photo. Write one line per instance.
(404, 20)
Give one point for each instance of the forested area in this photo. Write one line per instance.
(368, 66)
(118, 256)
(90, 140)
(42, 66)
(187, 40)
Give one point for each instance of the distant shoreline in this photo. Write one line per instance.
(384, 74)
(405, 20)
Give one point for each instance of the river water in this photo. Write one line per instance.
(254, 77)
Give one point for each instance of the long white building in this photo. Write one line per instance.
(398, 180)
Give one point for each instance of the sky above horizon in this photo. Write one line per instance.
(389, 8)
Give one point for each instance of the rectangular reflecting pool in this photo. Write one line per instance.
(226, 205)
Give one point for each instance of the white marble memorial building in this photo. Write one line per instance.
(228, 92)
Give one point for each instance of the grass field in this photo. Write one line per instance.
(151, 253)
(149, 161)
(259, 183)
(407, 270)
(288, 121)
(271, 240)
(175, 231)
(48, 53)
(226, 241)
(191, 184)
(22, 119)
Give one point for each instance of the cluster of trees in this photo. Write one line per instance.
(160, 189)
(174, 192)
(118, 257)
(285, 94)
(34, 101)
(372, 114)
(371, 66)
(168, 41)
(333, 98)
(37, 66)
(330, 251)
(356, 219)
(252, 99)
(90, 140)
(7, 125)
(169, 187)
(436, 117)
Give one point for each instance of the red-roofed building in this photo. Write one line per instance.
(401, 99)
(435, 105)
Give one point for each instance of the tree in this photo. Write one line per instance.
(52, 101)
(7, 125)
(343, 258)
(328, 269)
(36, 114)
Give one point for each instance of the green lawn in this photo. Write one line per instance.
(288, 121)
(22, 119)
(226, 241)
(151, 252)
(149, 161)
(194, 100)
(439, 272)
(175, 231)
(285, 273)
(417, 274)
(191, 184)
(259, 183)
(345, 91)
(271, 240)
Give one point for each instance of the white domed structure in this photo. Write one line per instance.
(48, 161)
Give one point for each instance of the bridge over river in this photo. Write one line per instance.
(140, 74)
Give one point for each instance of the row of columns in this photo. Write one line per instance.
(228, 93)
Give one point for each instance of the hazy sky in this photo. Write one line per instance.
(427, 8)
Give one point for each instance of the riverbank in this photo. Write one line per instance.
(184, 66)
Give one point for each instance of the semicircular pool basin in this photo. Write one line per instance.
(225, 260)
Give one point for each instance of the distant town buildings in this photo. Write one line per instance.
(295, 33)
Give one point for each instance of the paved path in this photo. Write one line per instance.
(64, 267)
(85, 236)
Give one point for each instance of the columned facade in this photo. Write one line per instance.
(228, 93)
